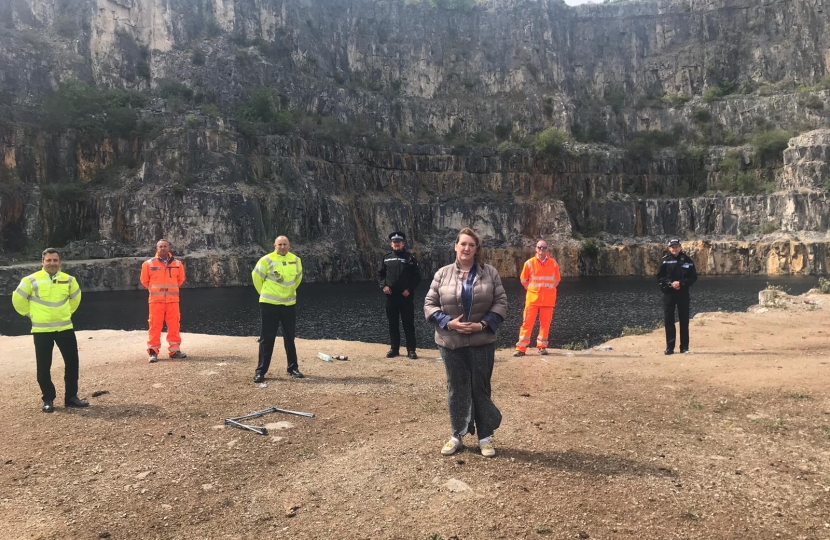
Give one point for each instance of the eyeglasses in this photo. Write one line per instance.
(542, 247)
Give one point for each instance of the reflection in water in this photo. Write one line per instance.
(587, 308)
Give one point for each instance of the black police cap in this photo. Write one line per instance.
(396, 236)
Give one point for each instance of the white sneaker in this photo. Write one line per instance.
(487, 449)
(153, 358)
(451, 447)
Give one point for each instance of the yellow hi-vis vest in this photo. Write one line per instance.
(276, 278)
(49, 301)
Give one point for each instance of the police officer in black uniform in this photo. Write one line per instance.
(677, 273)
(398, 276)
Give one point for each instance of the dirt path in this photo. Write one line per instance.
(732, 441)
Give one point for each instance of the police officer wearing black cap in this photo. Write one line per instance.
(677, 273)
(398, 277)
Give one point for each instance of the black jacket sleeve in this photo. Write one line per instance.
(382, 273)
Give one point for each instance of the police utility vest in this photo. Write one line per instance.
(276, 278)
(49, 301)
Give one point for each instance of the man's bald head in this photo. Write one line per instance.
(282, 245)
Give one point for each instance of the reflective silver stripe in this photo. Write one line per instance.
(162, 286)
(23, 293)
(278, 298)
(162, 293)
(545, 278)
(545, 285)
(49, 304)
(288, 283)
(51, 324)
(34, 285)
(260, 274)
(74, 294)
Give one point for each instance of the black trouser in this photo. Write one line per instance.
(271, 317)
(679, 299)
(403, 308)
(68, 345)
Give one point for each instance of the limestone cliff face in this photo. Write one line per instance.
(403, 70)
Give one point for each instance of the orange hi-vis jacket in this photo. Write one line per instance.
(162, 280)
(540, 279)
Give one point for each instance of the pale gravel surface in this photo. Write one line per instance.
(732, 441)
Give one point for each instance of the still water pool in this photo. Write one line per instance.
(588, 308)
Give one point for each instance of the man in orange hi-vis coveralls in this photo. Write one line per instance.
(540, 276)
(162, 276)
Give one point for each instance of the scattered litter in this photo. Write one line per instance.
(100, 393)
(263, 385)
(569, 354)
(812, 302)
(603, 348)
(341, 357)
(324, 357)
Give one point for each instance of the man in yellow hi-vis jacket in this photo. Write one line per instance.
(49, 297)
(276, 278)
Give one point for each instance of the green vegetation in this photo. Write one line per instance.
(171, 89)
(198, 57)
(811, 101)
(590, 248)
(460, 5)
(92, 112)
(676, 101)
(645, 143)
(507, 147)
(265, 112)
(769, 144)
(551, 142)
(615, 98)
(701, 115)
(715, 93)
(69, 192)
(824, 285)
(770, 227)
(731, 179)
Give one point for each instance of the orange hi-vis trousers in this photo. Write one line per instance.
(545, 314)
(160, 313)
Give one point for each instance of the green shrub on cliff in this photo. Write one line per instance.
(590, 248)
(770, 144)
(551, 142)
(264, 113)
(645, 143)
(461, 5)
(824, 285)
(93, 112)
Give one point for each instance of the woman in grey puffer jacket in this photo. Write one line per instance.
(467, 303)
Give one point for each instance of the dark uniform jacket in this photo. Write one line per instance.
(680, 268)
(399, 270)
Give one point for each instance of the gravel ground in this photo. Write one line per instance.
(731, 441)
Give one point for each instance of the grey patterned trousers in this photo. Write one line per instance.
(468, 390)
